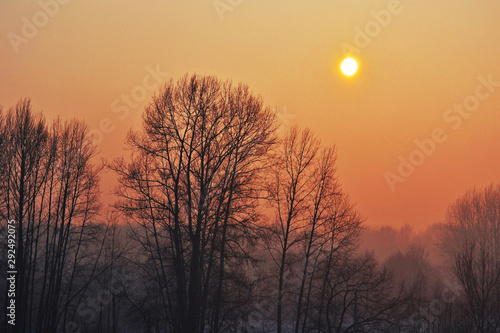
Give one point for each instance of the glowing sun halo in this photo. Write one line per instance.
(349, 66)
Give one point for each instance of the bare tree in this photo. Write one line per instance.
(289, 192)
(51, 191)
(314, 227)
(470, 239)
(191, 185)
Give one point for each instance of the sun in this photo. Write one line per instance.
(349, 66)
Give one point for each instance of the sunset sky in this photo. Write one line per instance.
(417, 64)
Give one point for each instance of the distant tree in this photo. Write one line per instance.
(413, 268)
(361, 296)
(313, 240)
(387, 240)
(470, 240)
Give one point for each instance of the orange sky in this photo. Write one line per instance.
(422, 59)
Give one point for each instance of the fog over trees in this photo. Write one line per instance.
(219, 224)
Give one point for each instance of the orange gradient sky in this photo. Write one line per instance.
(86, 55)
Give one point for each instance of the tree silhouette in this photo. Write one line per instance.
(51, 190)
(192, 185)
(470, 239)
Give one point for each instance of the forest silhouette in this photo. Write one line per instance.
(222, 223)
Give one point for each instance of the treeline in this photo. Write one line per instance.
(220, 225)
